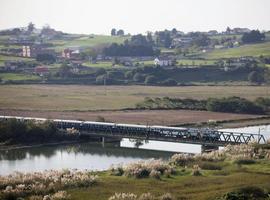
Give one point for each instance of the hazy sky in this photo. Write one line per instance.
(134, 16)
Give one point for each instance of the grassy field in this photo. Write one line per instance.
(74, 97)
(103, 64)
(181, 187)
(245, 50)
(195, 62)
(216, 178)
(17, 77)
(11, 58)
(88, 41)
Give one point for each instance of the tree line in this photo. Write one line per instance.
(228, 104)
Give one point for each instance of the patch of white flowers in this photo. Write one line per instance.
(41, 183)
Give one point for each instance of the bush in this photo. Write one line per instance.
(123, 196)
(143, 169)
(100, 71)
(150, 80)
(253, 36)
(245, 193)
(128, 74)
(181, 159)
(233, 105)
(196, 171)
(169, 82)
(166, 196)
(146, 196)
(138, 77)
(117, 171)
(255, 77)
(244, 161)
(42, 183)
(155, 174)
(264, 103)
(210, 166)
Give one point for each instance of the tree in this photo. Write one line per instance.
(202, 40)
(255, 77)
(113, 32)
(65, 70)
(46, 58)
(174, 31)
(120, 32)
(138, 77)
(228, 30)
(253, 36)
(30, 27)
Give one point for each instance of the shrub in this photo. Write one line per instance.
(123, 196)
(60, 195)
(255, 77)
(146, 196)
(128, 74)
(210, 166)
(150, 80)
(117, 171)
(36, 197)
(38, 183)
(243, 161)
(169, 82)
(196, 171)
(245, 193)
(138, 77)
(233, 105)
(155, 174)
(181, 159)
(143, 169)
(166, 196)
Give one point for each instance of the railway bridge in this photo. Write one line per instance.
(208, 138)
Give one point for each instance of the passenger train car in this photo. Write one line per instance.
(148, 131)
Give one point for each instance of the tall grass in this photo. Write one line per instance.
(42, 183)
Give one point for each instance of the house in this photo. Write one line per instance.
(212, 32)
(182, 42)
(126, 61)
(163, 62)
(31, 51)
(71, 53)
(41, 70)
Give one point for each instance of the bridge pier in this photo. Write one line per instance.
(113, 140)
(208, 148)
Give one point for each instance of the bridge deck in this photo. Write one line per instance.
(205, 136)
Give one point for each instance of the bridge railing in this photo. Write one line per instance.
(235, 137)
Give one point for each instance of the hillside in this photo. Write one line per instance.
(255, 50)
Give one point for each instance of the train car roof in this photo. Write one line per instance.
(132, 125)
(100, 123)
(69, 121)
(169, 127)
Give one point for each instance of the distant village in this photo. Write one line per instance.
(40, 51)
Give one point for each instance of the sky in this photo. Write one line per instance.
(135, 16)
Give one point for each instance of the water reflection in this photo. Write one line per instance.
(95, 156)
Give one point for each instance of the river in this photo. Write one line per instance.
(95, 156)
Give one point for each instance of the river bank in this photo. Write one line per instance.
(206, 176)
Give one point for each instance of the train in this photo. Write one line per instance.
(140, 130)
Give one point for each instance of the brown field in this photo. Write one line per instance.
(92, 102)
(151, 117)
(86, 98)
